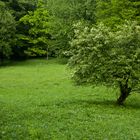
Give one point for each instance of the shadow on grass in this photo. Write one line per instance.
(28, 62)
(132, 106)
(13, 63)
(34, 62)
(85, 103)
(112, 103)
(101, 103)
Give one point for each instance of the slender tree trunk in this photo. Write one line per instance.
(47, 54)
(1, 58)
(124, 92)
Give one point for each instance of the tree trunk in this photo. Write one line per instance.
(47, 54)
(1, 58)
(124, 92)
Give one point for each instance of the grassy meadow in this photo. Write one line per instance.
(38, 101)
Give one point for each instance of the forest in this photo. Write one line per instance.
(67, 67)
(40, 28)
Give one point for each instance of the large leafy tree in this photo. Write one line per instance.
(36, 24)
(20, 8)
(103, 56)
(7, 32)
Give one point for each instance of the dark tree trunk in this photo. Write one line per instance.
(1, 58)
(47, 54)
(124, 92)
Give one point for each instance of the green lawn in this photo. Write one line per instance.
(39, 101)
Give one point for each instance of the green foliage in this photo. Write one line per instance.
(103, 56)
(115, 12)
(19, 8)
(136, 5)
(73, 9)
(37, 24)
(7, 31)
(64, 13)
(38, 51)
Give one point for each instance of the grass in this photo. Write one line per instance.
(39, 101)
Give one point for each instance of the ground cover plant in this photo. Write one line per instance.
(39, 101)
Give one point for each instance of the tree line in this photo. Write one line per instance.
(45, 27)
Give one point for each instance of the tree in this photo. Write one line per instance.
(36, 24)
(7, 32)
(20, 7)
(136, 5)
(103, 56)
(63, 14)
(115, 12)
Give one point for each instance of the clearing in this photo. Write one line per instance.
(39, 101)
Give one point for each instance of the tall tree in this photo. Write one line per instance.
(37, 35)
(19, 8)
(7, 31)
